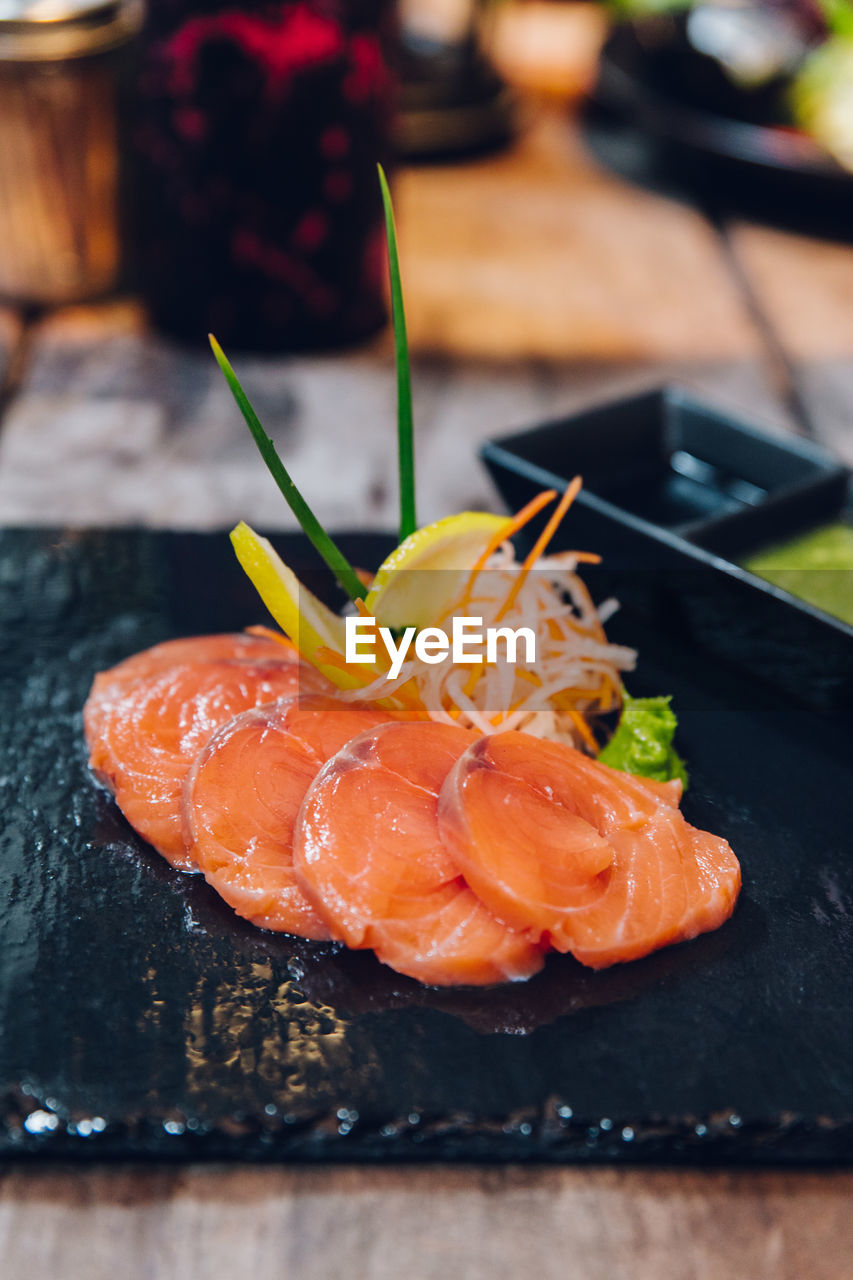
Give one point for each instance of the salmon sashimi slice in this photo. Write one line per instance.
(367, 852)
(326, 723)
(669, 883)
(532, 860)
(606, 798)
(452, 939)
(718, 880)
(242, 797)
(110, 686)
(147, 740)
(666, 792)
(585, 858)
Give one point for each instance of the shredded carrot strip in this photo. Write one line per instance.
(512, 526)
(506, 531)
(267, 633)
(597, 628)
(473, 676)
(331, 658)
(553, 524)
(541, 542)
(580, 630)
(610, 696)
(365, 674)
(582, 728)
(513, 707)
(573, 691)
(404, 700)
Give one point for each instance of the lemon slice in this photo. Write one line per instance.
(305, 619)
(425, 575)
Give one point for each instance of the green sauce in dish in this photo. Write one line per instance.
(816, 566)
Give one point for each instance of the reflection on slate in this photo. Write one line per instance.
(139, 1016)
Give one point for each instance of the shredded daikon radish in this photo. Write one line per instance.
(577, 674)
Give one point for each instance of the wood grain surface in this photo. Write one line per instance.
(431, 1223)
(804, 288)
(11, 330)
(112, 425)
(539, 252)
(536, 282)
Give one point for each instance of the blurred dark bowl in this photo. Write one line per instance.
(718, 142)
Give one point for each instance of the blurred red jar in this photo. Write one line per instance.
(258, 129)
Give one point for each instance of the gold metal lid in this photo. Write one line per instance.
(53, 30)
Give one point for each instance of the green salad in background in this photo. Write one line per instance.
(786, 62)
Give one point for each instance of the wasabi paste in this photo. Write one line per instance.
(642, 743)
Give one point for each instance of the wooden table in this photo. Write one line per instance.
(536, 282)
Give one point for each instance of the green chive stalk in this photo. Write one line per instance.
(405, 430)
(314, 531)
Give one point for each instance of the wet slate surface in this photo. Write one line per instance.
(140, 1017)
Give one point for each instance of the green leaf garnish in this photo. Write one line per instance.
(405, 432)
(333, 556)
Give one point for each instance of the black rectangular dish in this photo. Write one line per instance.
(675, 485)
(665, 459)
(139, 1017)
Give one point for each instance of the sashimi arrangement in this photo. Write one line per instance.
(453, 819)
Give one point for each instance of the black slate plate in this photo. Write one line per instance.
(139, 1017)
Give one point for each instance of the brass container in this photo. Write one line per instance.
(62, 76)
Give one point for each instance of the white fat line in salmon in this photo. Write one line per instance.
(468, 643)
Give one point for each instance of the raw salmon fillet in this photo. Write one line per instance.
(143, 740)
(241, 800)
(583, 857)
(367, 852)
(110, 686)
